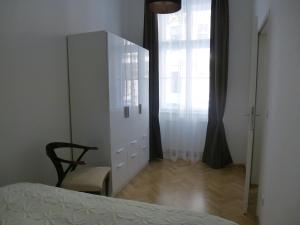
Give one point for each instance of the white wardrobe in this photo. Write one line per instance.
(109, 102)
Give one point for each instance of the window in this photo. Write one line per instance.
(184, 41)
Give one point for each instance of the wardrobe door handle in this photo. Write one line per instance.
(120, 165)
(126, 112)
(133, 142)
(133, 155)
(120, 150)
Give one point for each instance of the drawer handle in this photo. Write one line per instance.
(133, 142)
(120, 150)
(133, 155)
(120, 165)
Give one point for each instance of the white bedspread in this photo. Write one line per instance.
(36, 204)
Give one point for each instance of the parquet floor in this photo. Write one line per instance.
(193, 187)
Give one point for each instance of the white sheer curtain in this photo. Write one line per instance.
(184, 40)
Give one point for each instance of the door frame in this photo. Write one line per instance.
(256, 33)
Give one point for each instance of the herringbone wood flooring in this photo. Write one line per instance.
(193, 187)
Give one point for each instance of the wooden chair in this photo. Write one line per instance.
(77, 177)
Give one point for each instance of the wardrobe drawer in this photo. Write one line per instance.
(119, 155)
(133, 148)
(144, 140)
(133, 165)
(143, 151)
(119, 176)
(133, 158)
(144, 159)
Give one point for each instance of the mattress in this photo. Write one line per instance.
(37, 204)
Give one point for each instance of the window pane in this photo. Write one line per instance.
(174, 27)
(172, 75)
(200, 24)
(200, 62)
(200, 93)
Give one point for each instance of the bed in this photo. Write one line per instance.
(37, 204)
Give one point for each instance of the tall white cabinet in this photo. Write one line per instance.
(109, 88)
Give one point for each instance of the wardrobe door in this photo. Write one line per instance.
(120, 125)
(132, 87)
(119, 122)
(143, 117)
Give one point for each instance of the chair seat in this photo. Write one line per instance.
(86, 179)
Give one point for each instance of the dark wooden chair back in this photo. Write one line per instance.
(61, 173)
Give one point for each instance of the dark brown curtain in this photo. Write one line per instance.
(151, 43)
(216, 153)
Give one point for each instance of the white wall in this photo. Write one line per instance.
(33, 78)
(133, 19)
(236, 121)
(280, 169)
